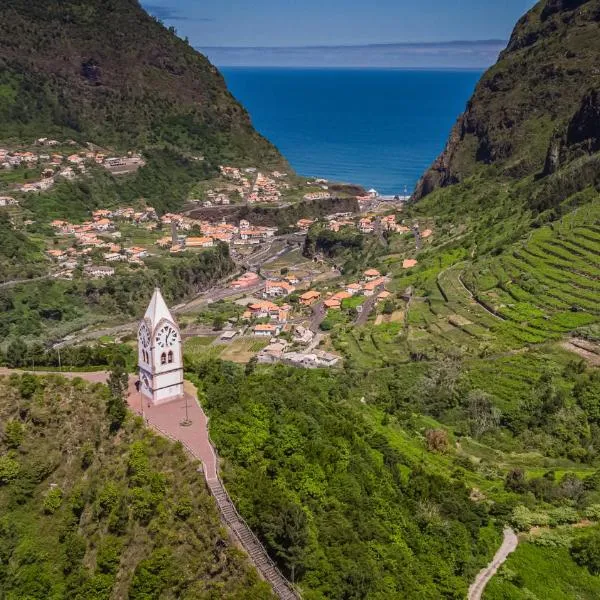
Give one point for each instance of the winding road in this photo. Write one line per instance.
(509, 545)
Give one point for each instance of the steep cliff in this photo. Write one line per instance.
(536, 107)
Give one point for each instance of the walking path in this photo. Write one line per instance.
(167, 420)
(509, 544)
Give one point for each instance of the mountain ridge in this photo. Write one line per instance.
(526, 98)
(108, 72)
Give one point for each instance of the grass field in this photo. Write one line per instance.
(535, 572)
(240, 350)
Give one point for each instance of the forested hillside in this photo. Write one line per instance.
(536, 109)
(92, 509)
(107, 72)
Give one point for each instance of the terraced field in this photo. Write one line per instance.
(536, 291)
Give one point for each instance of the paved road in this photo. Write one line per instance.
(14, 282)
(509, 545)
(367, 307)
(318, 316)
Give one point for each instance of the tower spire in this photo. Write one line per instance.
(158, 309)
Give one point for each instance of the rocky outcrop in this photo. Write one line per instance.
(580, 137)
(515, 119)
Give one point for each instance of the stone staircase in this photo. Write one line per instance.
(250, 542)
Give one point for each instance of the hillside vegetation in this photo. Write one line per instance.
(86, 513)
(536, 109)
(107, 72)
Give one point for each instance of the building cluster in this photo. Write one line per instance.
(244, 234)
(108, 249)
(317, 196)
(372, 283)
(8, 201)
(253, 186)
(280, 351)
(53, 164)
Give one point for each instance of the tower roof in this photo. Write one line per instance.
(158, 309)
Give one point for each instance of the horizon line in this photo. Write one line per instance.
(366, 45)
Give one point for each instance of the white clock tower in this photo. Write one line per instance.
(160, 355)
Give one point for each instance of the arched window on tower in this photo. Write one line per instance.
(163, 359)
(170, 356)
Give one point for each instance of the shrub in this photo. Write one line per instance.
(586, 552)
(564, 515)
(108, 498)
(52, 501)
(437, 440)
(14, 432)
(592, 512)
(524, 519)
(9, 469)
(109, 555)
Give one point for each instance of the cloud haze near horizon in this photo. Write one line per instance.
(443, 55)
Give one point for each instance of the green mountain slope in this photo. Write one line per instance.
(536, 109)
(105, 71)
(87, 514)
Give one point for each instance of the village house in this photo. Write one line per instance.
(99, 271)
(247, 280)
(304, 224)
(58, 255)
(264, 309)
(317, 196)
(309, 298)
(267, 329)
(274, 289)
(292, 279)
(366, 226)
(198, 242)
(343, 295)
(332, 303)
(103, 225)
(383, 296)
(136, 252)
(371, 274)
(8, 201)
(353, 288)
(302, 335)
(371, 286)
(114, 257)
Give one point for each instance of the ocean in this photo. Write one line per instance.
(379, 128)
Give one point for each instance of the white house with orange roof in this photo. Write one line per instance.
(371, 274)
(354, 288)
(276, 289)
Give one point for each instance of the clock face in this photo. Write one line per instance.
(166, 336)
(144, 336)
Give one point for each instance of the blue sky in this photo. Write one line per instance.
(336, 22)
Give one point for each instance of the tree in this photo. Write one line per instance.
(117, 386)
(439, 388)
(482, 414)
(585, 551)
(16, 353)
(218, 322)
(515, 481)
